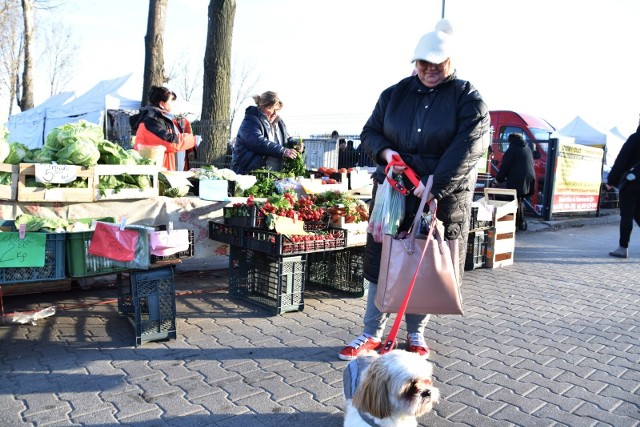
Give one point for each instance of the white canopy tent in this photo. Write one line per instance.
(618, 133)
(91, 106)
(588, 134)
(27, 127)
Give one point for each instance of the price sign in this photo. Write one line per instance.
(27, 252)
(56, 174)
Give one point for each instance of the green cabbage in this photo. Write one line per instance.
(82, 129)
(5, 178)
(82, 152)
(36, 223)
(114, 154)
(17, 152)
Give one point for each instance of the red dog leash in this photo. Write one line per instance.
(408, 172)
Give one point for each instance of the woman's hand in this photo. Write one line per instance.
(387, 154)
(290, 153)
(419, 191)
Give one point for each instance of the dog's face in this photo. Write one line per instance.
(397, 384)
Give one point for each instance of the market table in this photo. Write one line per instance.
(184, 212)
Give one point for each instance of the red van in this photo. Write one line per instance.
(534, 130)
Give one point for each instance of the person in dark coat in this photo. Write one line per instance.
(628, 182)
(518, 171)
(438, 125)
(263, 141)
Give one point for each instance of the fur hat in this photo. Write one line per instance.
(436, 46)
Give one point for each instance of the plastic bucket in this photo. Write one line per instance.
(153, 152)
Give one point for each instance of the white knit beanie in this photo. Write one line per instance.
(436, 46)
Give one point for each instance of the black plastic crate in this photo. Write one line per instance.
(148, 299)
(476, 250)
(243, 216)
(189, 253)
(274, 283)
(342, 270)
(273, 243)
(474, 224)
(226, 233)
(54, 258)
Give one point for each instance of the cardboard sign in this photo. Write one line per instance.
(109, 241)
(55, 174)
(27, 252)
(289, 226)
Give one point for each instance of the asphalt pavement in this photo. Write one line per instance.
(551, 340)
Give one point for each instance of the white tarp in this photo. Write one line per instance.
(91, 106)
(27, 127)
(589, 134)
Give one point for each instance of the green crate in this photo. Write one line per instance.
(80, 263)
(341, 270)
(274, 283)
(53, 269)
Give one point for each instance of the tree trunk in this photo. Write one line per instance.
(154, 47)
(216, 96)
(26, 99)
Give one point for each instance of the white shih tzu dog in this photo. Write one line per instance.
(391, 390)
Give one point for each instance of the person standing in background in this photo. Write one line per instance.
(263, 141)
(155, 125)
(518, 171)
(625, 175)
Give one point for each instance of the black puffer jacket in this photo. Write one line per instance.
(628, 156)
(253, 147)
(442, 132)
(517, 168)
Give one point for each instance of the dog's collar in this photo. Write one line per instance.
(367, 418)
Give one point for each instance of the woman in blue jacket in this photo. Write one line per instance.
(263, 141)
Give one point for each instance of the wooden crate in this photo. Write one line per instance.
(125, 193)
(10, 192)
(500, 248)
(39, 194)
(503, 210)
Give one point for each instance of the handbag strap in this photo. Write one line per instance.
(393, 333)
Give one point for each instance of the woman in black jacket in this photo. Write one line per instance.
(628, 182)
(438, 125)
(263, 141)
(518, 170)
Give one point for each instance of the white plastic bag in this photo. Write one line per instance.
(388, 211)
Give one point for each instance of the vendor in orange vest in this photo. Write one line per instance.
(155, 125)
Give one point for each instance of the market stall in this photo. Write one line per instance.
(184, 212)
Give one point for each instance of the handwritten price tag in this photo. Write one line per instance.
(27, 252)
(56, 174)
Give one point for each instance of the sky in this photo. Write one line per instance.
(329, 60)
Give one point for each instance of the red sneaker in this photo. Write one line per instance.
(363, 342)
(417, 344)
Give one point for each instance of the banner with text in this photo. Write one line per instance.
(578, 177)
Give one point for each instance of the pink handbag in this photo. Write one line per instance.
(424, 268)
